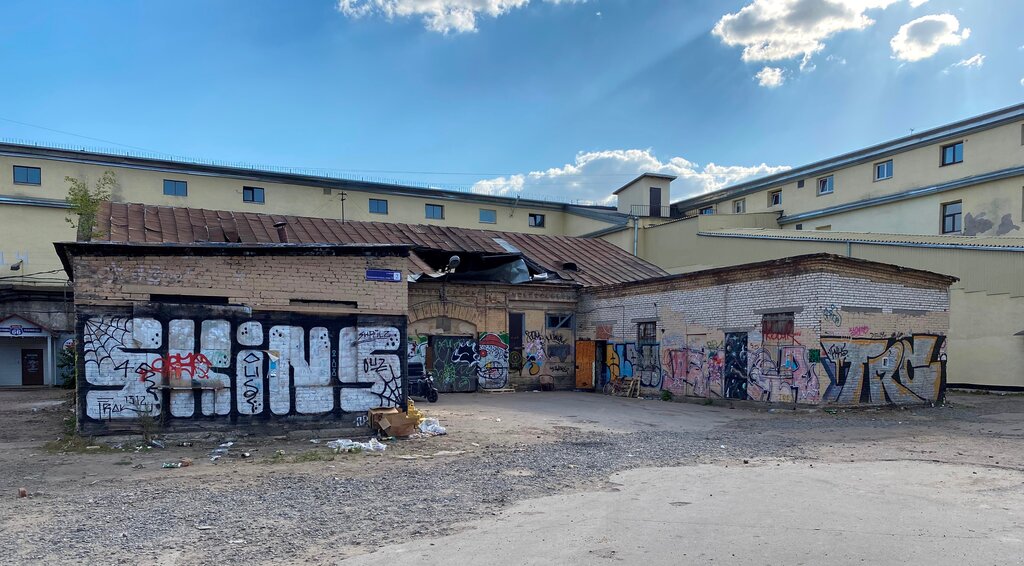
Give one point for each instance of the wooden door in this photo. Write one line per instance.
(31, 366)
(586, 361)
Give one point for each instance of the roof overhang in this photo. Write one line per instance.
(642, 176)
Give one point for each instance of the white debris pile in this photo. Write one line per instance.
(432, 427)
(346, 445)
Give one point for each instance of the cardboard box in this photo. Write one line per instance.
(375, 415)
(398, 424)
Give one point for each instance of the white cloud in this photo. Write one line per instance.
(1022, 82)
(971, 62)
(836, 59)
(923, 37)
(442, 16)
(770, 77)
(594, 175)
(776, 30)
(916, 3)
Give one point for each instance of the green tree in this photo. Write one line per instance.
(85, 203)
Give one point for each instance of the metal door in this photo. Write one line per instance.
(31, 367)
(735, 386)
(454, 361)
(586, 362)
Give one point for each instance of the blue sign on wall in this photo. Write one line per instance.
(389, 275)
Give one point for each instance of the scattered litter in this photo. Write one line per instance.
(449, 452)
(138, 467)
(156, 443)
(477, 444)
(432, 426)
(246, 455)
(721, 446)
(204, 527)
(315, 441)
(185, 443)
(497, 420)
(832, 411)
(183, 463)
(413, 457)
(346, 445)
(278, 452)
(237, 541)
(92, 447)
(227, 445)
(22, 492)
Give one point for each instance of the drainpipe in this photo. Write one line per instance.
(636, 233)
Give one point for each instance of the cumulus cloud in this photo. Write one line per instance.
(770, 77)
(925, 36)
(442, 16)
(916, 3)
(594, 175)
(971, 62)
(776, 30)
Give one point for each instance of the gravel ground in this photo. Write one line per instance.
(310, 506)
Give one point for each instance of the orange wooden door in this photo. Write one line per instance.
(586, 358)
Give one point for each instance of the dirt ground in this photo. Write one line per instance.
(294, 501)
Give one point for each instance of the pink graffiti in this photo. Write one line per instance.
(858, 331)
(197, 366)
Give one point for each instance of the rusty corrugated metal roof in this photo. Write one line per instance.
(598, 262)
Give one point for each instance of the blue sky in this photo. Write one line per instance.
(481, 93)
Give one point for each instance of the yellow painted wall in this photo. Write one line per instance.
(989, 202)
(31, 231)
(984, 152)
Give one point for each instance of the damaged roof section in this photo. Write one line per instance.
(484, 255)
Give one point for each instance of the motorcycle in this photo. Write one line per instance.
(421, 383)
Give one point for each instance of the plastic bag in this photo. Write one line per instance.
(432, 426)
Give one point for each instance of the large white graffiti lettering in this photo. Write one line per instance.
(135, 367)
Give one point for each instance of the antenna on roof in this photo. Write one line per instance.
(343, 195)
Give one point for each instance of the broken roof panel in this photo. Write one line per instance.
(597, 262)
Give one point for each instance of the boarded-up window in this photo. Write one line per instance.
(777, 326)
(647, 332)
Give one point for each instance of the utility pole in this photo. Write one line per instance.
(343, 195)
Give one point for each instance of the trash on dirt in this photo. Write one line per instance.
(315, 441)
(449, 452)
(204, 527)
(477, 444)
(138, 467)
(398, 424)
(432, 426)
(237, 541)
(414, 457)
(832, 411)
(185, 443)
(93, 447)
(346, 445)
(227, 445)
(497, 420)
(22, 492)
(246, 455)
(156, 443)
(183, 463)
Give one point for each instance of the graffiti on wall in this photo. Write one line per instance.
(782, 374)
(418, 349)
(455, 362)
(185, 368)
(694, 370)
(492, 364)
(897, 370)
(534, 354)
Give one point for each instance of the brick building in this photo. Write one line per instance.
(234, 334)
(816, 329)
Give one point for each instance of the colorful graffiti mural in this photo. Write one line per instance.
(493, 361)
(534, 354)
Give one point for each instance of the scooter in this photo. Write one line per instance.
(421, 384)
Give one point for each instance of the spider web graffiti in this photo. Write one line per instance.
(103, 335)
(390, 394)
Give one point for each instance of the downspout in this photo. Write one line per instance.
(636, 233)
